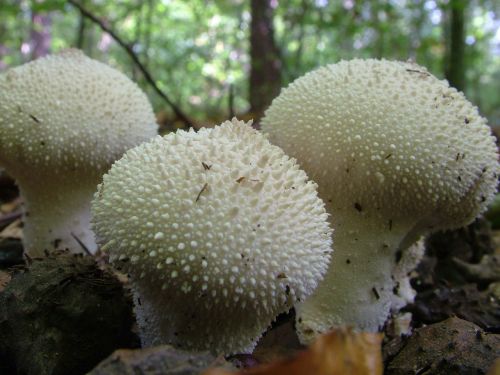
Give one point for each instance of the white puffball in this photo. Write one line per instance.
(220, 232)
(390, 137)
(397, 154)
(64, 119)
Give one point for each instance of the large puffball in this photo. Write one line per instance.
(388, 135)
(397, 154)
(220, 232)
(64, 119)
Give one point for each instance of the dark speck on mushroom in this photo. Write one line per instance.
(35, 119)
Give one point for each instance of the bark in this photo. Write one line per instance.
(455, 64)
(4, 51)
(300, 38)
(265, 73)
(80, 37)
(40, 35)
(147, 31)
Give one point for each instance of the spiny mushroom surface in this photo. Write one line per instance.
(220, 232)
(397, 154)
(64, 119)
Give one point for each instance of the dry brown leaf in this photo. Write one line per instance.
(4, 280)
(341, 352)
(495, 368)
(13, 230)
(11, 206)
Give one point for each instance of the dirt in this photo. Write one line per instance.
(454, 346)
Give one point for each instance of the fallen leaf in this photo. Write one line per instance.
(495, 369)
(13, 230)
(278, 343)
(4, 280)
(453, 346)
(11, 206)
(339, 352)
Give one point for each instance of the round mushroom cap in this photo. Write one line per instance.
(390, 138)
(223, 229)
(67, 112)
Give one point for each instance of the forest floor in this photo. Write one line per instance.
(453, 327)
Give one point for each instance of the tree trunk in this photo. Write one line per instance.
(455, 62)
(265, 73)
(147, 31)
(4, 51)
(80, 36)
(40, 35)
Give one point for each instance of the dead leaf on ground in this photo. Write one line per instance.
(495, 369)
(337, 353)
(278, 343)
(13, 230)
(11, 206)
(4, 280)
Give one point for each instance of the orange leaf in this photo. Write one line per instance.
(495, 368)
(340, 352)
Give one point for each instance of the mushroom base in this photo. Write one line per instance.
(362, 284)
(195, 326)
(57, 220)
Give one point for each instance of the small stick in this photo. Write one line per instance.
(201, 191)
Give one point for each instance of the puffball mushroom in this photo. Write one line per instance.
(220, 232)
(64, 119)
(397, 154)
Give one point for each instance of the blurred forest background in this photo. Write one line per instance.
(203, 61)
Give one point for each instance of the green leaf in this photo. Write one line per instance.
(47, 5)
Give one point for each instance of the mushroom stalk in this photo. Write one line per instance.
(359, 288)
(160, 323)
(56, 218)
(64, 120)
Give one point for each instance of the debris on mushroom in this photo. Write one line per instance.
(64, 119)
(220, 232)
(403, 293)
(397, 154)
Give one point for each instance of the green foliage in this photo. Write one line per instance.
(197, 49)
(46, 5)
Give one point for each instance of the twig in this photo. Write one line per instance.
(178, 112)
(82, 245)
(201, 191)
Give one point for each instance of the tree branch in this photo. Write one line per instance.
(178, 112)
